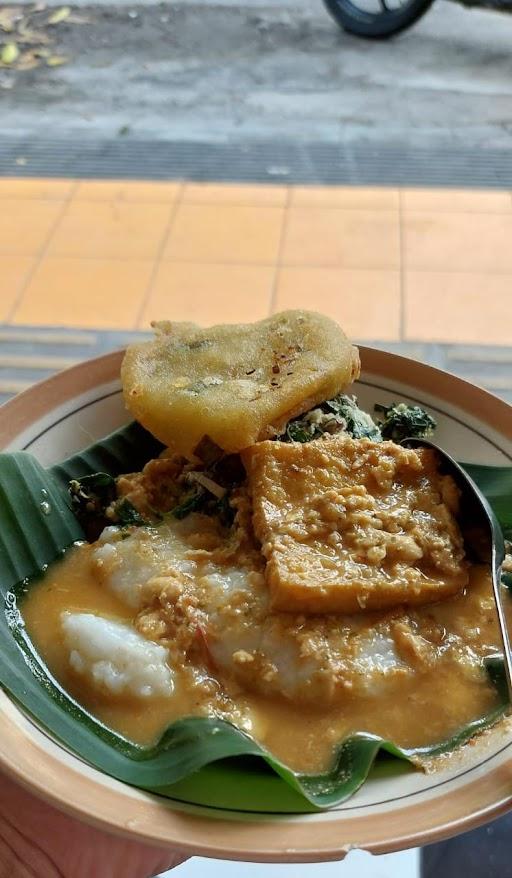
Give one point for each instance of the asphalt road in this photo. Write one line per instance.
(227, 72)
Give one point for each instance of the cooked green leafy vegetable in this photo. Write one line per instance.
(90, 496)
(403, 421)
(199, 500)
(92, 493)
(343, 415)
(193, 501)
(211, 488)
(95, 504)
(358, 424)
(94, 497)
(339, 415)
(506, 579)
(301, 431)
(125, 513)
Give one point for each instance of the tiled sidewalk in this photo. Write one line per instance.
(389, 264)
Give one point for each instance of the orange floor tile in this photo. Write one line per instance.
(389, 264)
(225, 233)
(187, 291)
(436, 241)
(475, 308)
(232, 193)
(359, 197)
(366, 303)
(473, 201)
(344, 238)
(111, 230)
(39, 187)
(95, 293)
(14, 273)
(26, 225)
(127, 190)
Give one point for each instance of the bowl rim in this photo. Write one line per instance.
(35, 401)
(262, 838)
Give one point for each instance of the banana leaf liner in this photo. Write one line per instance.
(199, 760)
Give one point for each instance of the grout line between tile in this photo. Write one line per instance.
(10, 196)
(287, 203)
(199, 201)
(459, 212)
(313, 266)
(341, 208)
(401, 314)
(454, 211)
(424, 269)
(247, 204)
(231, 204)
(280, 247)
(139, 202)
(158, 258)
(39, 258)
(25, 198)
(168, 201)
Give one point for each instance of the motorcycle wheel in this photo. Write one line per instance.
(384, 23)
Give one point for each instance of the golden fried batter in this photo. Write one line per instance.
(236, 384)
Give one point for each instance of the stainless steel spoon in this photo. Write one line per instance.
(486, 542)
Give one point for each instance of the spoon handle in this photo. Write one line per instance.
(498, 599)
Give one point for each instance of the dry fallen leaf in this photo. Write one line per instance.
(59, 15)
(27, 61)
(79, 19)
(24, 47)
(9, 53)
(56, 60)
(8, 17)
(30, 37)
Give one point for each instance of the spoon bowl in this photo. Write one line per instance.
(482, 534)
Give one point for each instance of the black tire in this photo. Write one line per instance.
(376, 25)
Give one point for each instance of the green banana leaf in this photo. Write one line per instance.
(206, 761)
(496, 483)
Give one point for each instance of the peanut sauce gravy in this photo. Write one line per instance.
(445, 685)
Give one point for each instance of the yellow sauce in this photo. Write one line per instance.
(425, 707)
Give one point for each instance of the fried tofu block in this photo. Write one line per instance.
(348, 525)
(236, 384)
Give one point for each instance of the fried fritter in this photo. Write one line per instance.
(237, 384)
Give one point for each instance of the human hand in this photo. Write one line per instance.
(38, 841)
